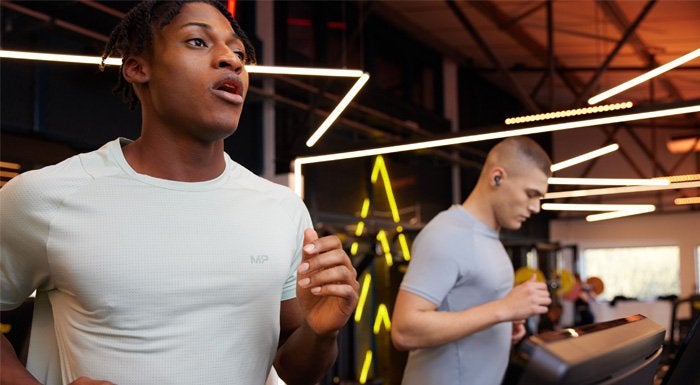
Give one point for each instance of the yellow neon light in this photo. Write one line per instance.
(353, 248)
(404, 247)
(386, 249)
(360, 228)
(382, 318)
(380, 169)
(366, 281)
(365, 208)
(365, 367)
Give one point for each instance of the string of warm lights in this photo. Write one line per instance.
(568, 113)
(687, 201)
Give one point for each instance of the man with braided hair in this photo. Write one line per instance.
(457, 310)
(161, 260)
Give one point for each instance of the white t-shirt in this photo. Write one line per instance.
(150, 280)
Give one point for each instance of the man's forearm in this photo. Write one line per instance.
(305, 357)
(12, 372)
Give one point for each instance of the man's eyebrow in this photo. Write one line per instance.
(206, 26)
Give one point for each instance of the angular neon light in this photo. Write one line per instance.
(644, 77)
(363, 77)
(337, 110)
(382, 318)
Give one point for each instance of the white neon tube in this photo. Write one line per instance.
(618, 190)
(337, 110)
(609, 181)
(594, 207)
(584, 157)
(644, 77)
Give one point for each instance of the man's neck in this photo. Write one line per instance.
(184, 161)
(480, 209)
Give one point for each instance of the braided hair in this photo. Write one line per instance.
(134, 35)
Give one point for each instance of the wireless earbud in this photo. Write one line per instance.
(497, 180)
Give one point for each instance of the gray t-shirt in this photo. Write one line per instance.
(458, 263)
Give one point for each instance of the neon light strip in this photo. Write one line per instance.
(644, 77)
(365, 367)
(618, 190)
(366, 281)
(616, 214)
(614, 211)
(381, 318)
(609, 181)
(386, 249)
(584, 157)
(593, 207)
(299, 162)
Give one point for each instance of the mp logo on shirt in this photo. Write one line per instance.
(258, 259)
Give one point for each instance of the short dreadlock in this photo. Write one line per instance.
(134, 35)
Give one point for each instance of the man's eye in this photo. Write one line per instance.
(240, 54)
(197, 42)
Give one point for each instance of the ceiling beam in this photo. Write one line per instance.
(603, 67)
(524, 98)
(613, 12)
(491, 11)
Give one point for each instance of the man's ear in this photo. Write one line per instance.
(497, 175)
(135, 70)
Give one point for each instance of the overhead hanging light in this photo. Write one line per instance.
(569, 113)
(299, 162)
(609, 181)
(618, 190)
(584, 157)
(611, 210)
(644, 77)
